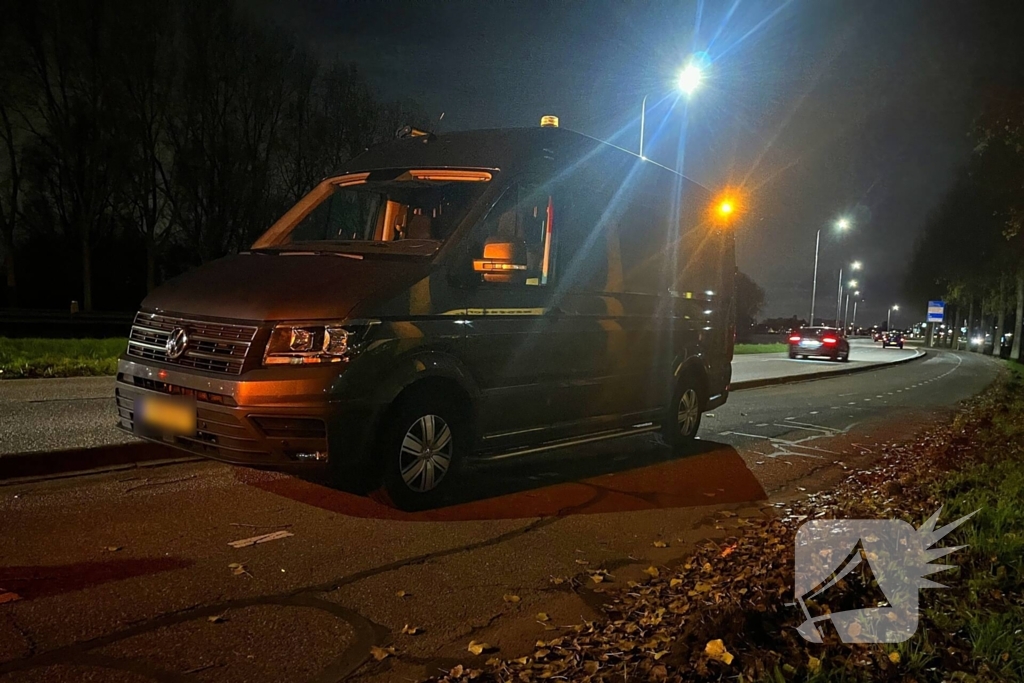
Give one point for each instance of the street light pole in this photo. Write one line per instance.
(688, 81)
(854, 322)
(814, 284)
(888, 318)
(643, 115)
(846, 314)
(839, 297)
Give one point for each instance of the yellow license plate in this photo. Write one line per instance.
(173, 415)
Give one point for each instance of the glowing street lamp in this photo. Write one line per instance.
(690, 78)
(726, 208)
(688, 81)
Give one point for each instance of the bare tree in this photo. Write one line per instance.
(77, 119)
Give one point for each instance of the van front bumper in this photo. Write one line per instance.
(270, 417)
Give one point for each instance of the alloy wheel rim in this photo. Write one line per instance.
(689, 412)
(426, 453)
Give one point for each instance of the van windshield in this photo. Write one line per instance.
(413, 213)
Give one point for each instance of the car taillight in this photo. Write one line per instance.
(795, 337)
(830, 340)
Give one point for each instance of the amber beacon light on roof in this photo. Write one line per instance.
(549, 122)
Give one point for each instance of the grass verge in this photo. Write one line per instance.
(742, 349)
(727, 612)
(58, 357)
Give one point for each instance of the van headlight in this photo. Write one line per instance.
(302, 344)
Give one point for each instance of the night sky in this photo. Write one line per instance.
(815, 108)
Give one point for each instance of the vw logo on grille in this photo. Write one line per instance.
(176, 343)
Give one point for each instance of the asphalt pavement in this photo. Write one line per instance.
(129, 576)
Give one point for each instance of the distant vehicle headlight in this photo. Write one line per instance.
(304, 344)
(978, 341)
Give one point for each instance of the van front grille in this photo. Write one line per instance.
(212, 347)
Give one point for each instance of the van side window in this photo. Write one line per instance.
(515, 243)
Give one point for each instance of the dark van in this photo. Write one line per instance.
(444, 299)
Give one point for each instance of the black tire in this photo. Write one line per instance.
(792, 353)
(421, 419)
(901, 346)
(677, 433)
(884, 345)
(845, 358)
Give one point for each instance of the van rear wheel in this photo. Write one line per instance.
(423, 443)
(680, 426)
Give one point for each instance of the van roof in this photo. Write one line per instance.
(504, 149)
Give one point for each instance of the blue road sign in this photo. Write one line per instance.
(936, 311)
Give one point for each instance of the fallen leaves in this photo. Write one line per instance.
(715, 649)
(238, 569)
(478, 648)
(511, 599)
(411, 630)
(217, 618)
(662, 629)
(660, 544)
(402, 594)
(8, 596)
(381, 653)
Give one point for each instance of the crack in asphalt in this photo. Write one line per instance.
(367, 633)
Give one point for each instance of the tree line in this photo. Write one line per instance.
(140, 139)
(971, 253)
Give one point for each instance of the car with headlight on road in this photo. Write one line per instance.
(472, 296)
(819, 342)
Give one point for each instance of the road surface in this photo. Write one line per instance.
(129, 576)
(79, 412)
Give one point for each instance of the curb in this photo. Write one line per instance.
(47, 464)
(824, 374)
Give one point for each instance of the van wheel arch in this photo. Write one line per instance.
(694, 370)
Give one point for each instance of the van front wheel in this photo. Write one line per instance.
(422, 443)
(680, 427)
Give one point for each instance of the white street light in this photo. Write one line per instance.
(842, 224)
(689, 80)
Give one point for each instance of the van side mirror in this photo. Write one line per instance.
(502, 261)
